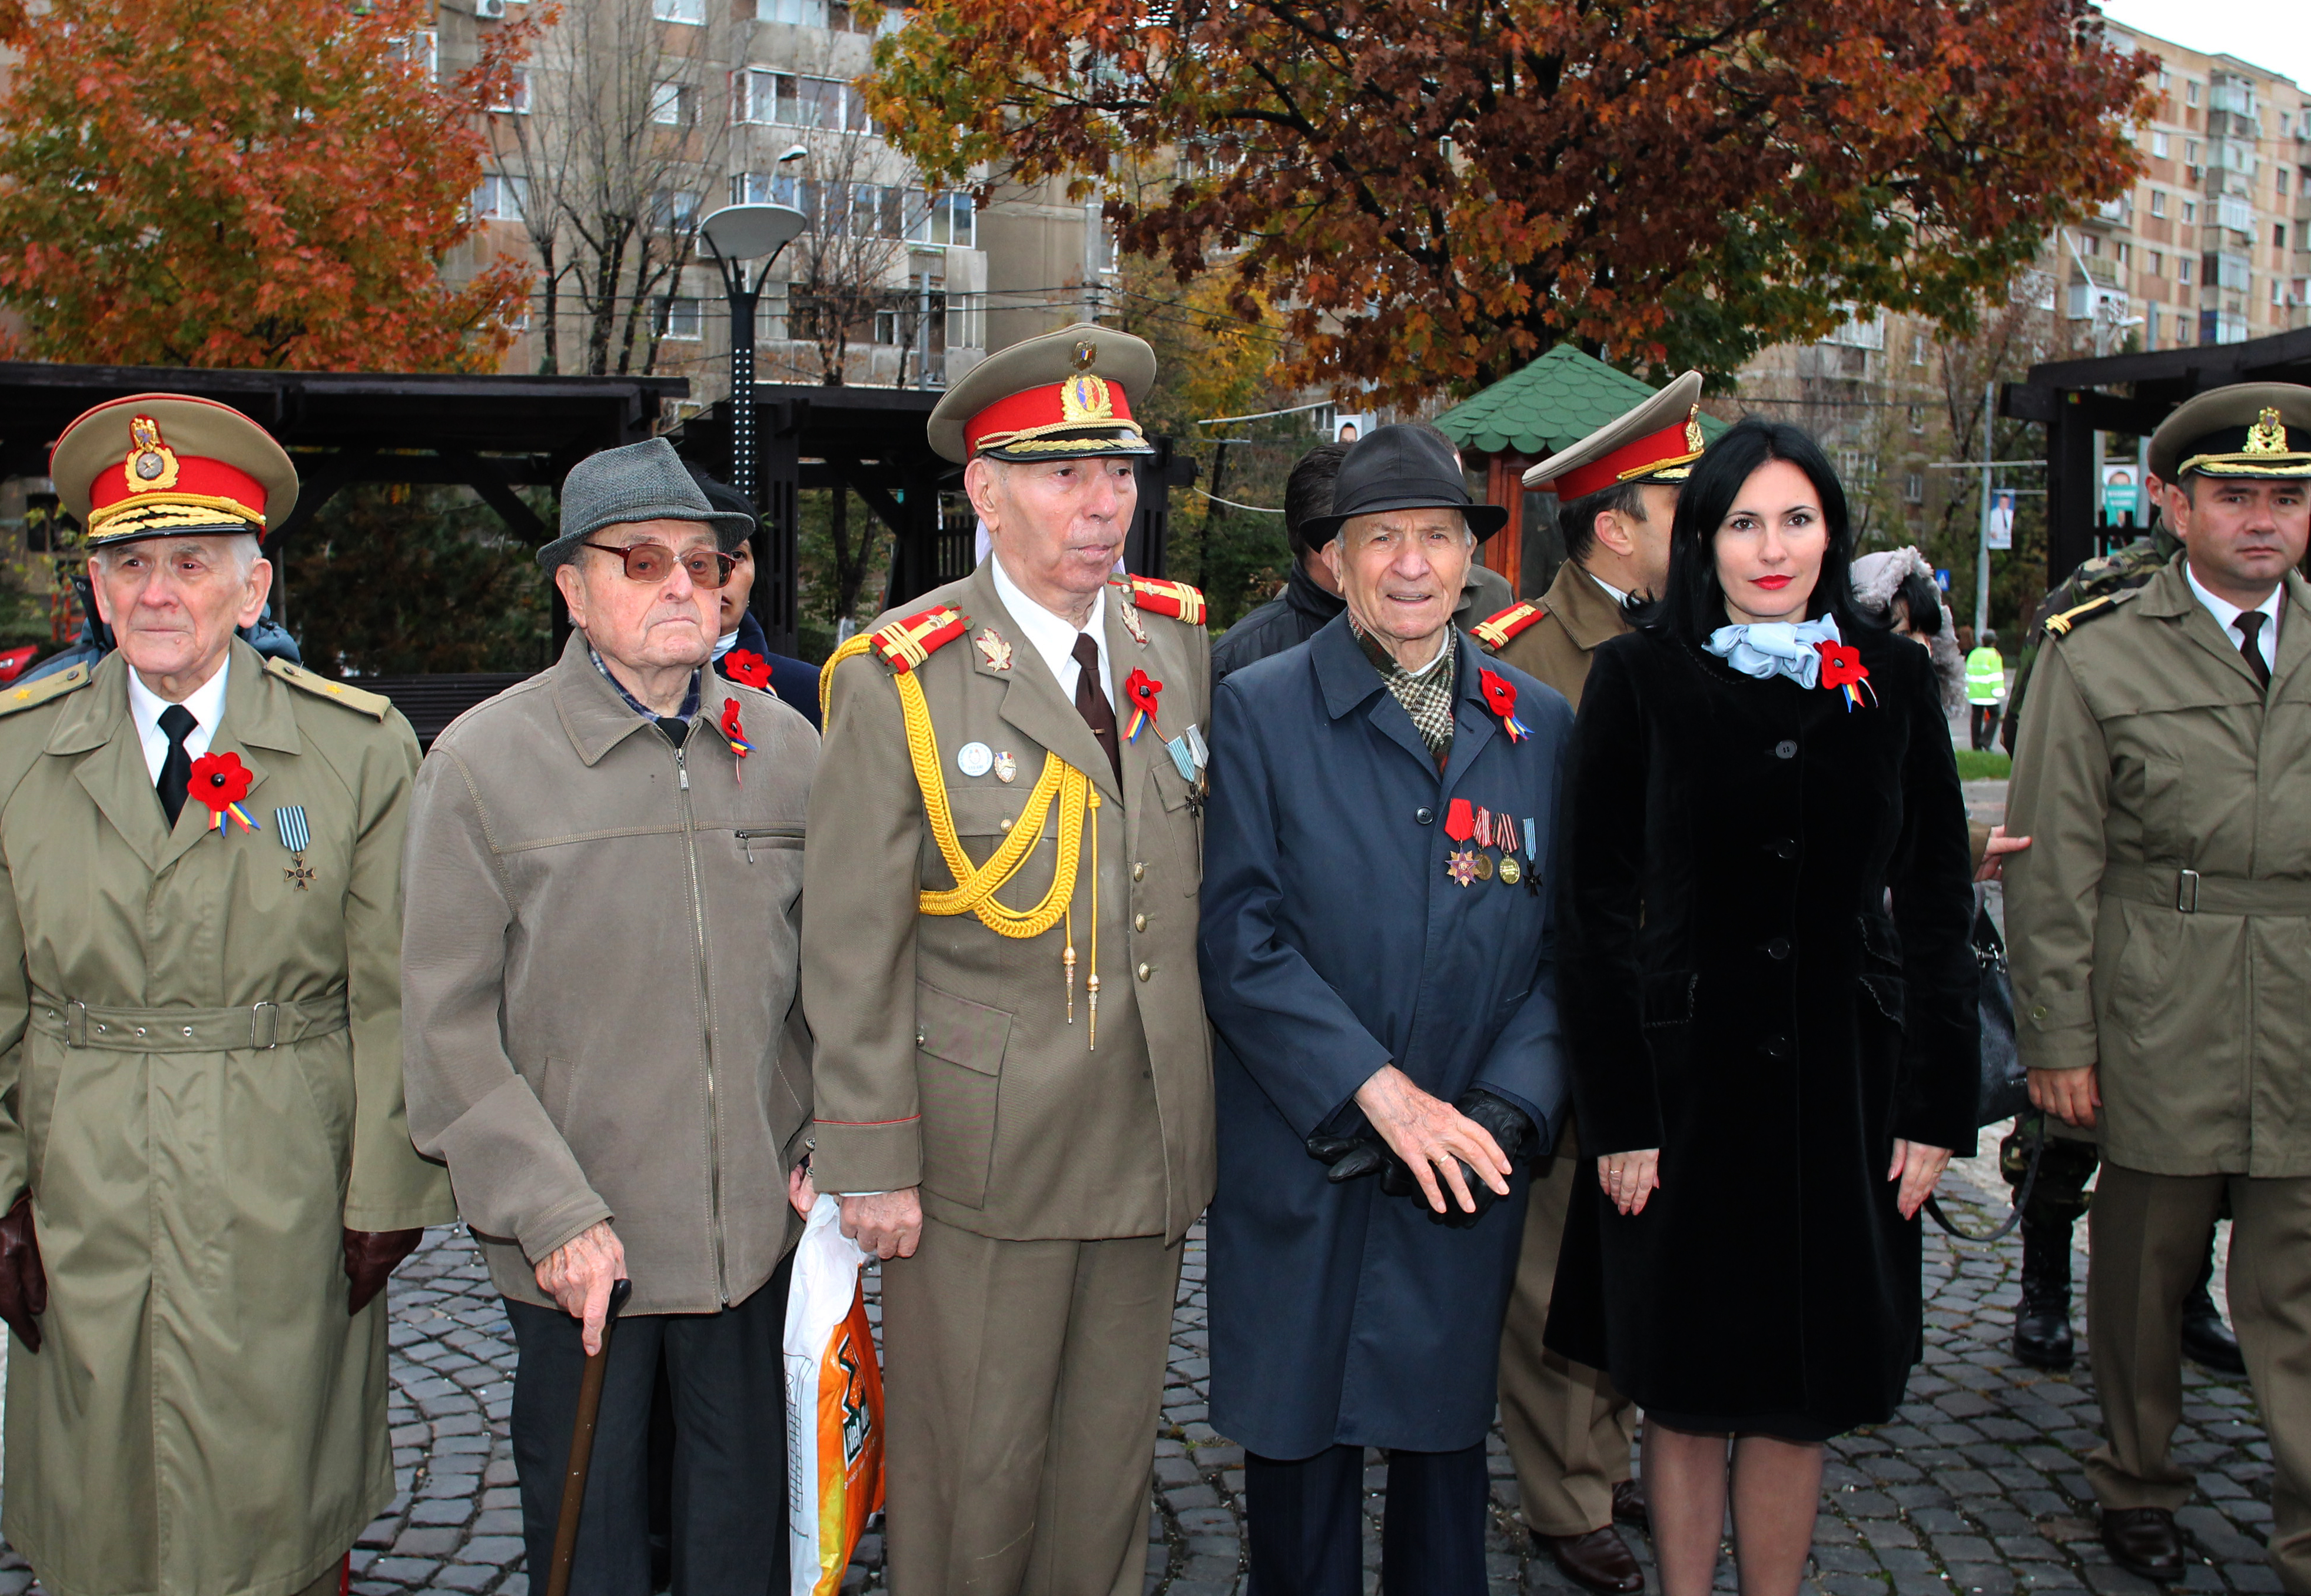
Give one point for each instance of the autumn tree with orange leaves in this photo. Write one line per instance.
(1440, 189)
(267, 183)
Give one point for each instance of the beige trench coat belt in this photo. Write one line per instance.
(2192, 892)
(187, 1030)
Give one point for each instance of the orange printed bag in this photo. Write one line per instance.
(835, 1406)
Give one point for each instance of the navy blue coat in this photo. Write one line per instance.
(1333, 942)
(793, 682)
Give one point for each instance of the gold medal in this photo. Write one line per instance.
(1510, 871)
(1484, 867)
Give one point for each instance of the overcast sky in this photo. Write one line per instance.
(2273, 34)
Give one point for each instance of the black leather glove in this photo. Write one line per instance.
(23, 1283)
(371, 1258)
(1511, 1128)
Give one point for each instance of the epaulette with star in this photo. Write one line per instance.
(1162, 597)
(1495, 630)
(2093, 609)
(30, 695)
(375, 705)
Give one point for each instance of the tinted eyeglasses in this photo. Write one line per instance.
(654, 562)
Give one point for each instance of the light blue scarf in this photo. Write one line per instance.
(1764, 649)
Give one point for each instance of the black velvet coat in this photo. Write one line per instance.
(1736, 993)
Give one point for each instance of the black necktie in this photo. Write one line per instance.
(1091, 702)
(2250, 626)
(177, 769)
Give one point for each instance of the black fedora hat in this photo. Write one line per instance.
(1403, 466)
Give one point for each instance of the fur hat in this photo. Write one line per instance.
(1877, 578)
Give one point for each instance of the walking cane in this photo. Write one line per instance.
(581, 1447)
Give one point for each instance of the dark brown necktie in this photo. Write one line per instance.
(2250, 627)
(1091, 702)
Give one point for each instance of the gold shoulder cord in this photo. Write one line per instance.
(976, 885)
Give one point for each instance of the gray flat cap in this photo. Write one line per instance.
(638, 482)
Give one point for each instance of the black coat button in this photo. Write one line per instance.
(1778, 1047)
(1785, 749)
(1778, 949)
(1787, 848)
(1424, 815)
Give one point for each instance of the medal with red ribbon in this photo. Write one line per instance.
(1461, 825)
(1141, 689)
(734, 732)
(221, 781)
(744, 665)
(1500, 698)
(1842, 671)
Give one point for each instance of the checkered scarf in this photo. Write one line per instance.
(1426, 696)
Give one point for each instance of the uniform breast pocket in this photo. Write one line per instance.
(959, 1075)
(1182, 822)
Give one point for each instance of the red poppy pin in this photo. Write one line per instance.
(1141, 689)
(221, 781)
(744, 665)
(1500, 697)
(1842, 671)
(734, 732)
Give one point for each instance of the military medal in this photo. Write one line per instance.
(1007, 768)
(1484, 867)
(1459, 825)
(1505, 836)
(221, 781)
(1510, 870)
(974, 759)
(993, 648)
(289, 825)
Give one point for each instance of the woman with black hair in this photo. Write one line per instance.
(1768, 1002)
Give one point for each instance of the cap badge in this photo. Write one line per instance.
(151, 463)
(1085, 398)
(1694, 441)
(2268, 436)
(1087, 351)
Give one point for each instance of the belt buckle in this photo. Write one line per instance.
(75, 1023)
(2186, 891)
(265, 1026)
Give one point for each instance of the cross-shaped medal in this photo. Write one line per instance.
(298, 873)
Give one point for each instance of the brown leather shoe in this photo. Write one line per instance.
(1629, 1505)
(1599, 1561)
(2144, 1540)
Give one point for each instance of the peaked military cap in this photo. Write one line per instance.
(1063, 395)
(169, 464)
(1658, 441)
(2247, 430)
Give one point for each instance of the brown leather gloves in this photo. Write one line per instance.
(371, 1258)
(24, 1284)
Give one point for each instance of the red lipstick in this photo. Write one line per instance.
(1772, 584)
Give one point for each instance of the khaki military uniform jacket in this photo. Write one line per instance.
(1553, 637)
(2149, 750)
(204, 1417)
(946, 1058)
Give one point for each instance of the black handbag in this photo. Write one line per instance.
(2004, 1093)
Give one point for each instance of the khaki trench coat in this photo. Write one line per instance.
(2148, 749)
(205, 1418)
(946, 1056)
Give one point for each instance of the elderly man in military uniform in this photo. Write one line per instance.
(1014, 1074)
(2162, 975)
(202, 1142)
(1568, 1429)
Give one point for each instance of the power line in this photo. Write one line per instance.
(1232, 504)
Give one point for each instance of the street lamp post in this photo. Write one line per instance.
(734, 235)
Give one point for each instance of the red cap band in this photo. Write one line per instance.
(197, 478)
(1656, 451)
(1056, 407)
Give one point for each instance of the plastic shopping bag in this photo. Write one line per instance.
(834, 1404)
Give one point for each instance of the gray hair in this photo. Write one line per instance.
(246, 550)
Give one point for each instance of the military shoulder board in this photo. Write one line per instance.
(1175, 599)
(2093, 609)
(905, 644)
(1495, 630)
(30, 695)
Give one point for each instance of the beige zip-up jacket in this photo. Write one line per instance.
(598, 981)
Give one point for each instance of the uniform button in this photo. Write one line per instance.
(1425, 816)
(140, 1030)
(1778, 949)
(1139, 871)
(1138, 922)
(188, 1030)
(1787, 848)
(2038, 1013)
(1785, 749)
(1778, 1047)
(919, 1039)
(1006, 823)
(1144, 973)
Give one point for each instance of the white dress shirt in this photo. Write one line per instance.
(1054, 636)
(2227, 614)
(205, 701)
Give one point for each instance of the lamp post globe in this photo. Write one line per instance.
(734, 235)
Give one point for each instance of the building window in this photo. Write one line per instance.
(2191, 92)
(673, 210)
(681, 318)
(2158, 202)
(500, 198)
(2190, 151)
(515, 101)
(2189, 210)
(953, 222)
(2154, 264)
(2278, 181)
(670, 105)
(1914, 488)
(1917, 352)
(2121, 253)
(2159, 145)
(1917, 418)
(800, 13)
(791, 101)
(2183, 270)
(2279, 235)
(679, 11)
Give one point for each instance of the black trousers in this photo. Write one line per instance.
(729, 1382)
(1984, 724)
(1305, 1524)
